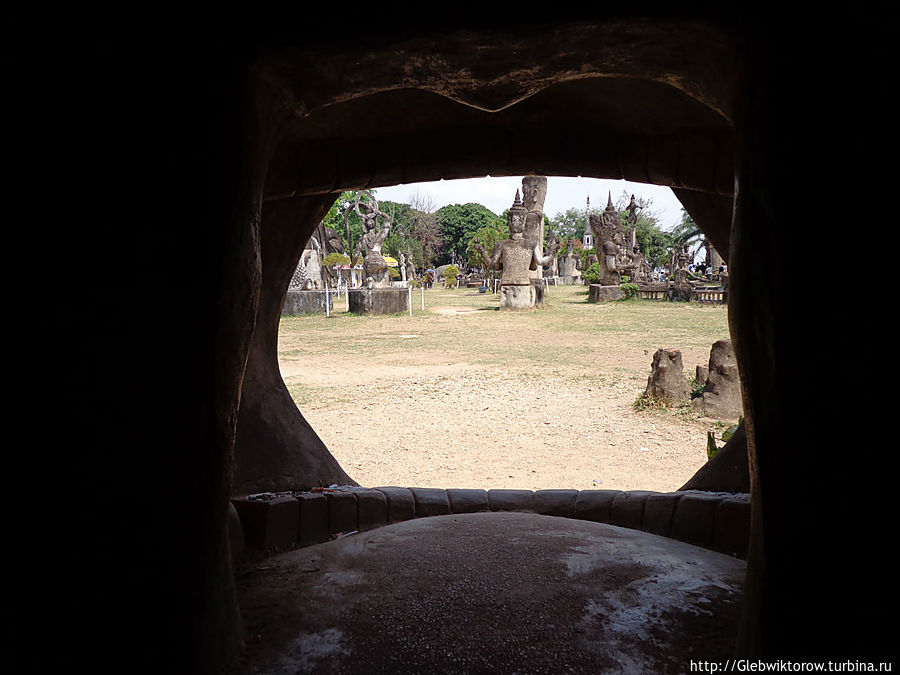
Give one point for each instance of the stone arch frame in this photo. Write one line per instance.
(226, 131)
(581, 113)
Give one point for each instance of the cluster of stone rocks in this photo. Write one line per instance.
(279, 521)
(721, 394)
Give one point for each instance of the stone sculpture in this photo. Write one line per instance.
(609, 239)
(518, 258)
(636, 268)
(721, 397)
(667, 381)
(632, 210)
(374, 266)
(570, 263)
(410, 267)
(534, 193)
(308, 274)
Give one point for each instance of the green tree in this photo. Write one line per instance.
(333, 259)
(568, 224)
(427, 240)
(337, 218)
(450, 273)
(687, 233)
(401, 237)
(459, 223)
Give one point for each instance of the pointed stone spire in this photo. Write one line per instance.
(517, 205)
(609, 204)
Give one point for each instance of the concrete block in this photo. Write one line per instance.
(659, 509)
(694, 518)
(313, 521)
(598, 293)
(371, 509)
(467, 501)
(341, 512)
(431, 502)
(268, 523)
(555, 502)
(731, 527)
(510, 500)
(378, 300)
(628, 508)
(401, 505)
(595, 505)
(306, 302)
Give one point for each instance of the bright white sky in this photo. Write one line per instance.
(497, 194)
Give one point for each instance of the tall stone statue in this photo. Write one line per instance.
(609, 240)
(534, 193)
(632, 209)
(682, 258)
(410, 266)
(517, 258)
(570, 263)
(636, 268)
(375, 268)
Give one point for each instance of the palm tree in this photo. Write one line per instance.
(687, 233)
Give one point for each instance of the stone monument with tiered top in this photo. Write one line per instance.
(517, 257)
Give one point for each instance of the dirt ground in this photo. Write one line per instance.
(419, 417)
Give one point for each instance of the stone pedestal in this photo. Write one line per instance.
(378, 300)
(306, 302)
(598, 293)
(518, 297)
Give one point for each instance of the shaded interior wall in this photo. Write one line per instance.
(161, 227)
(815, 584)
(167, 137)
(276, 449)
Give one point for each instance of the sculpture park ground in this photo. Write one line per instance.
(461, 394)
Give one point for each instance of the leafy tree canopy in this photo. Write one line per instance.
(568, 224)
(459, 223)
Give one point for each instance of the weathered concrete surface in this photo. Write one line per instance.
(599, 293)
(518, 297)
(306, 302)
(491, 592)
(378, 300)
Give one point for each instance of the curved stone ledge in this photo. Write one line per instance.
(270, 522)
